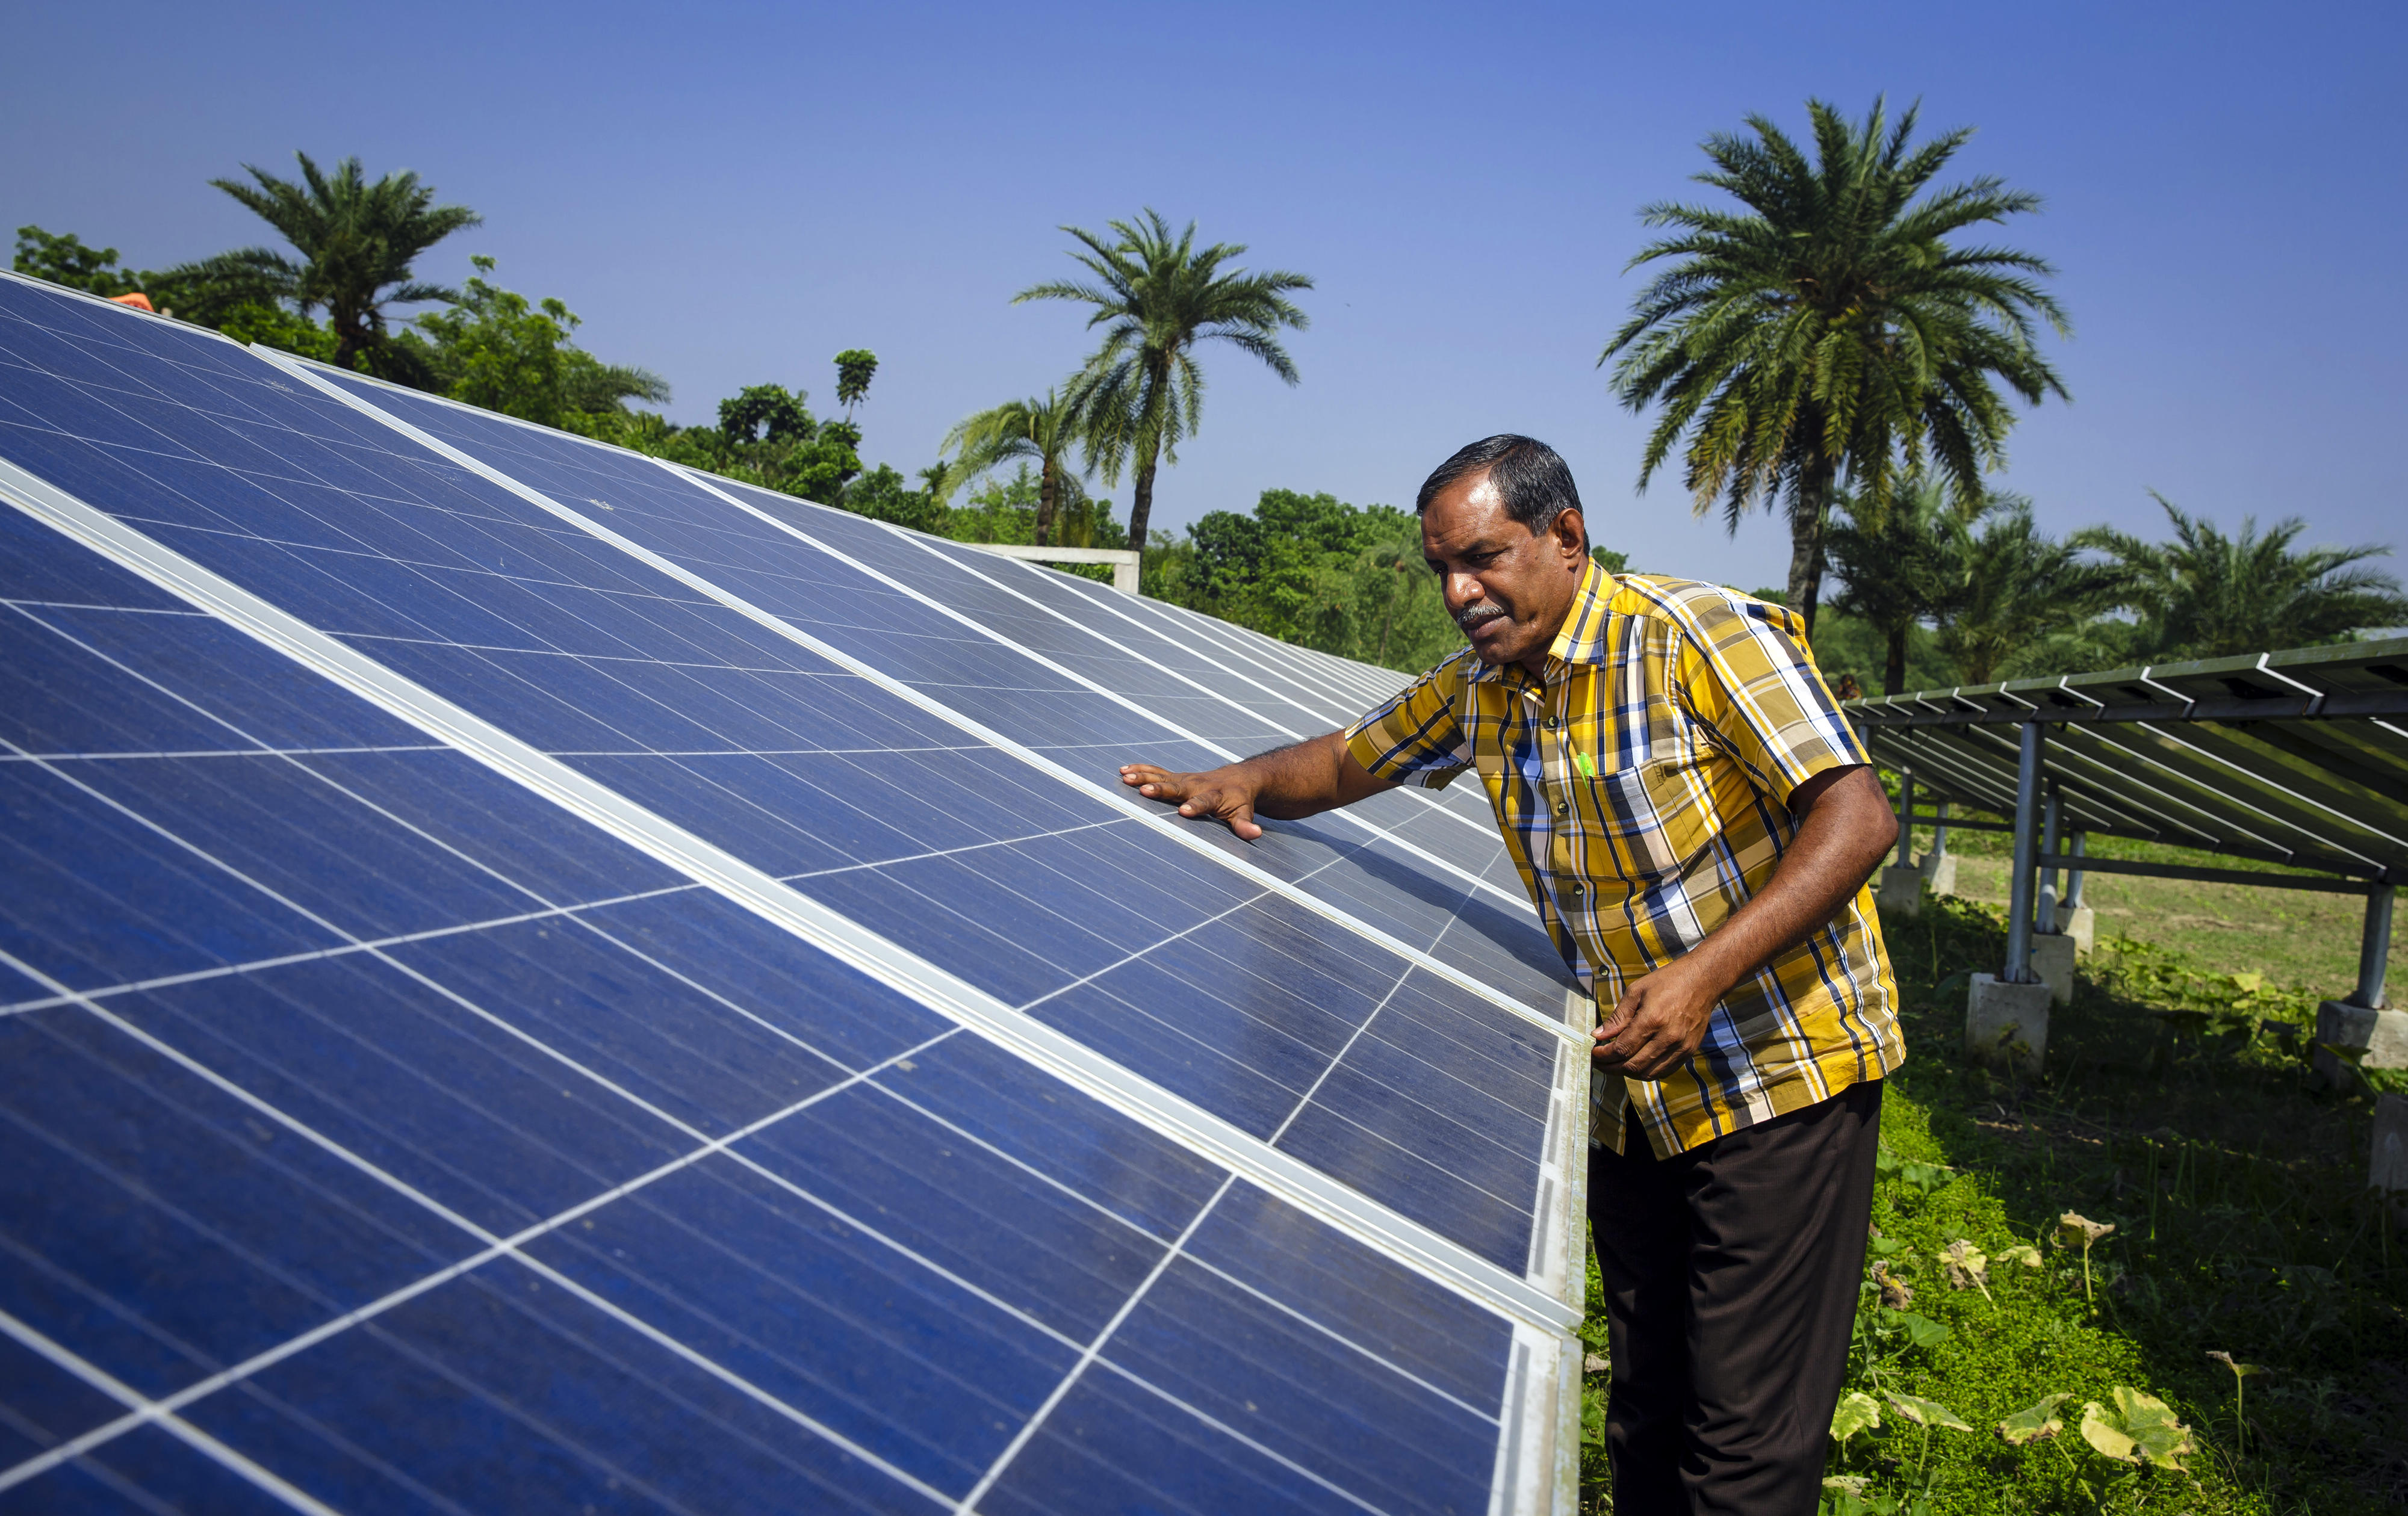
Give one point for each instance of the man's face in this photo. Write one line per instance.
(1507, 587)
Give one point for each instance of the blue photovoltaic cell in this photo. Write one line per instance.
(1451, 825)
(782, 1237)
(981, 863)
(955, 664)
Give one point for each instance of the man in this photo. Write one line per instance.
(1695, 822)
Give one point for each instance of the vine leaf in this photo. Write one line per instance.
(2035, 1422)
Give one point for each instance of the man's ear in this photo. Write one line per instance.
(1571, 533)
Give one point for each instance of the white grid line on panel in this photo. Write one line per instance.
(1207, 744)
(1151, 816)
(814, 644)
(1155, 632)
(1092, 1353)
(1299, 1184)
(1173, 1028)
(146, 1412)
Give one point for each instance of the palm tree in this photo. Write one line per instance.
(1894, 562)
(1039, 431)
(2207, 595)
(1829, 327)
(2010, 588)
(1156, 298)
(357, 241)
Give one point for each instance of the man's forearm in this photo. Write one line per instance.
(1835, 849)
(1303, 779)
(1310, 776)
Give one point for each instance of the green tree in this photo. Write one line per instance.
(63, 258)
(853, 368)
(1157, 297)
(357, 242)
(2205, 594)
(1042, 431)
(497, 348)
(1893, 559)
(2010, 588)
(210, 292)
(1830, 328)
(884, 495)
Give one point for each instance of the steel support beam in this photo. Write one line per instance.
(1940, 833)
(2044, 916)
(2316, 883)
(2373, 948)
(2073, 879)
(1906, 817)
(2018, 969)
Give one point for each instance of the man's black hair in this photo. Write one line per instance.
(1530, 475)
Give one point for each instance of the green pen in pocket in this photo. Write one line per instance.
(1586, 768)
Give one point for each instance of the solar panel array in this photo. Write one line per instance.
(2297, 757)
(532, 979)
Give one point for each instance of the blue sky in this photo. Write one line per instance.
(730, 194)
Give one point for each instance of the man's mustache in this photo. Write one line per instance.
(1478, 611)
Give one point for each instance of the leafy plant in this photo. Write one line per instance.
(2035, 1423)
(1930, 1415)
(2142, 1429)
(2241, 1373)
(2081, 1231)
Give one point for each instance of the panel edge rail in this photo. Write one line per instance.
(870, 953)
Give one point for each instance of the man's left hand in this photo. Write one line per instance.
(1658, 1023)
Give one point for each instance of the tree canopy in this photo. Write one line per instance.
(1829, 328)
(2205, 594)
(357, 242)
(1157, 297)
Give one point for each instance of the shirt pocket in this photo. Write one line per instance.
(1647, 820)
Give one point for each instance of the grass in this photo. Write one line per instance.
(2302, 939)
(2241, 1226)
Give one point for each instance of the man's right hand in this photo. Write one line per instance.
(1226, 794)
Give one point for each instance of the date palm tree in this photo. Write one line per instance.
(2010, 588)
(357, 241)
(2208, 595)
(1157, 297)
(1829, 327)
(1894, 562)
(1041, 431)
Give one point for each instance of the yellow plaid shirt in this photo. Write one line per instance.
(1642, 789)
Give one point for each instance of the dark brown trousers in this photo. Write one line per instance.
(1731, 1274)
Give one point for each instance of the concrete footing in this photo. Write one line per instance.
(2007, 1022)
(2081, 923)
(2379, 1038)
(1901, 892)
(1940, 872)
(2051, 959)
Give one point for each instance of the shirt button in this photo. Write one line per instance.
(1562, 809)
(1554, 722)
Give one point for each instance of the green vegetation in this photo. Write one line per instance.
(2206, 595)
(2176, 1146)
(1312, 569)
(1157, 297)
(1831, 328)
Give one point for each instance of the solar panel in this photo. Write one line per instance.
(2297, 757)
(537, 981)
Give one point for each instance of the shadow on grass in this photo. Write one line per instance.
(2237, 1192)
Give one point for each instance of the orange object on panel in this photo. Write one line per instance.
(137, 300)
